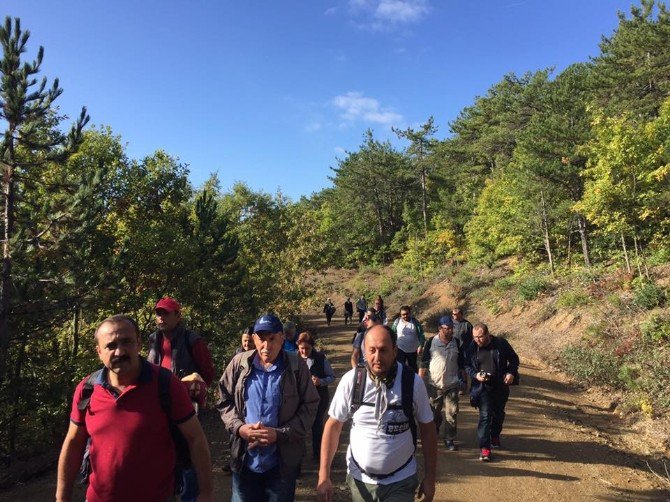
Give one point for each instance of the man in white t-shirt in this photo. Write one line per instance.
(381, 455)
(410, 337)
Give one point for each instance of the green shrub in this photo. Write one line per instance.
(504, 284)
(530, 287)
(572, 298)
(591, 366)
(493, 305)
(656, 328)
(595, 332)
(647, 294)
(615, 300)
(628, 374)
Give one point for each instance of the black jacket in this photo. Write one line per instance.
(504, 357)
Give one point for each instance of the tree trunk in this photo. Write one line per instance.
(625, 253)
(5, 287)
(75, 332)
(545, 231)
(637, 257)
(570, 243)
(641, 262)
(424, 200)
(583, 237)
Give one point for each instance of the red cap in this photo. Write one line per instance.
(169, 304)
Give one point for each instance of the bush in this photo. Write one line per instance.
(591, 366)
(615, 300)
(504, 284)
(531, 287)
(572, 299)
(655, 386)
(647, 294)
(656, 328)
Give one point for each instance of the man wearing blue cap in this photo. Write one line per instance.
(268, 404)
(443, 369)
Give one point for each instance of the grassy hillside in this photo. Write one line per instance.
(603, 329)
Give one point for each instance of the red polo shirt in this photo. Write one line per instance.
(132, 453)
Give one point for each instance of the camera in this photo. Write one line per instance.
(484, 375)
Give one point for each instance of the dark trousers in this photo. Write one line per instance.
(269, 486)
(317, 428)
(491, 414)
(361, 314)
(408, 359)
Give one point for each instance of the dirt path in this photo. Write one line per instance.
(550, 451)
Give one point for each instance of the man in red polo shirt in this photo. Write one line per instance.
(132, 454)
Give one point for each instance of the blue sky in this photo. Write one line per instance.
(272, 92)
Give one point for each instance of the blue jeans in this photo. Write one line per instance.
(269, 486)
(189, 492)
(491, 414)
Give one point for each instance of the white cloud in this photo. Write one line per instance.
(385, 13)
(354, 106)
(340, 151)
(313, 127)
(330, 11)
(401, 11)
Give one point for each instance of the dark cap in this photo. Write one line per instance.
(446, 321)
(269, 323)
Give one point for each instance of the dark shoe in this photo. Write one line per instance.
(450, 445)
(495, 442)
(485, 454)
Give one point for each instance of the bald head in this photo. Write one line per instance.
(380, 349)
(119, 319)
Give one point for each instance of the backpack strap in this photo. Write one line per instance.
(87, 390)
(164, 377)
(358, 389)
(407, 390)
(180, 443)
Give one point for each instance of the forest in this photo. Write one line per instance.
(566, 173)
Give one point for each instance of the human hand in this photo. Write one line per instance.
(324, 490)
(248, 432)
(316, 381)
(509, 379)
(265, 435)
(426, 490)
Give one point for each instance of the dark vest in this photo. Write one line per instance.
(318, 369)
(182, 344)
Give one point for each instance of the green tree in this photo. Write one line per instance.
(371, 188)
(420, 152)
(632, 72)
(549, 151)
(31, 140)
(628, 179)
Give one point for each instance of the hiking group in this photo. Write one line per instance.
(134, 432)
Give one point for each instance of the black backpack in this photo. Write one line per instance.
(406, 391)
(181, 446)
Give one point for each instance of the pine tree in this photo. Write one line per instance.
(30, 139)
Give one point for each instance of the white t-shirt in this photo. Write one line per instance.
(408, 338)
(375, 447)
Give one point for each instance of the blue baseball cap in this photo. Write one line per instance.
(446, 321)
(269, 323)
